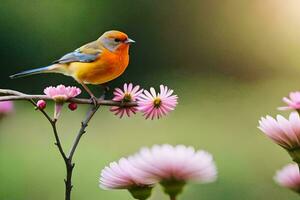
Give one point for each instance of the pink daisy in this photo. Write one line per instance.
(173, 166)
(178, 163)
(289, 177)
(128, 94)
(155, 105)
(60, 94)
(293, 103)
(284, 132)
(124, 175)
(6, 107)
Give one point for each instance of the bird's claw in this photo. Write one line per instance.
(94, 100)
(105, 90)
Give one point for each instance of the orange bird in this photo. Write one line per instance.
(95, 63)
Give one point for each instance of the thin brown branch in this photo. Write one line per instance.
(68, 162)
(84, 124)
(53, 125)
(58, 143)
(12, 95)
(11, 92)
(70, 165)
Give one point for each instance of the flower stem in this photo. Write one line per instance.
(172, 198)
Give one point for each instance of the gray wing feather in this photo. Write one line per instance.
(77, 56)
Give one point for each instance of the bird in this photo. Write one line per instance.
(95, 63)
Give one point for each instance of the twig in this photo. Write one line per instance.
(84, 124)
(12, 95)
(53, 124)
(70, 164)
(16, 95)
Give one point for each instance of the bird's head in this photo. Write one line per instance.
(115, 41)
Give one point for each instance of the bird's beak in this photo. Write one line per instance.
(129, 41)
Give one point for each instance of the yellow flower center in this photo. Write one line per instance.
(157, 102)
(127, 98)
(60, 98)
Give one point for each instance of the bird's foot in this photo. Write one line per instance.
(94, 100)
(105, 90)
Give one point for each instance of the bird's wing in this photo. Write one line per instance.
(87, 53)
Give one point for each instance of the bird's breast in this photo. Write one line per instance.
(104, 69)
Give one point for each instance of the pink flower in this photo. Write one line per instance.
(289, 177)
(293, 103)
(170, 166)
(176, 163)
(60, 94)
(173, 167)
(284, 132)
(6, 107)
(155, 105)
(123, 175)
(128, 94)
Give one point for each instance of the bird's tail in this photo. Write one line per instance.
(47, 69)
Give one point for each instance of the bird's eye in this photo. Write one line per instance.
(117, 40)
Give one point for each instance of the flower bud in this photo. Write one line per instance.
(72, 106)
(41, 104)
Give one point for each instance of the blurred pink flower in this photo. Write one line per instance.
(128, 94)
(155, 105)
(289, 177)
(178, 163)
(6, 107)
(123, 175)
(170, 166)
(284, 132)
(60, 94)
(293, 102)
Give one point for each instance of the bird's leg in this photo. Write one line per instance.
(105, 90)
(93, 98)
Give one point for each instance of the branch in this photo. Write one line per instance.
(12, 95)
(53, 125)
(84, 124)
(70, 165)
(58, 143)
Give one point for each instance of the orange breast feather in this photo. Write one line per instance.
(106, 68)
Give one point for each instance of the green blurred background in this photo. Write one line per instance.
(229, 61)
